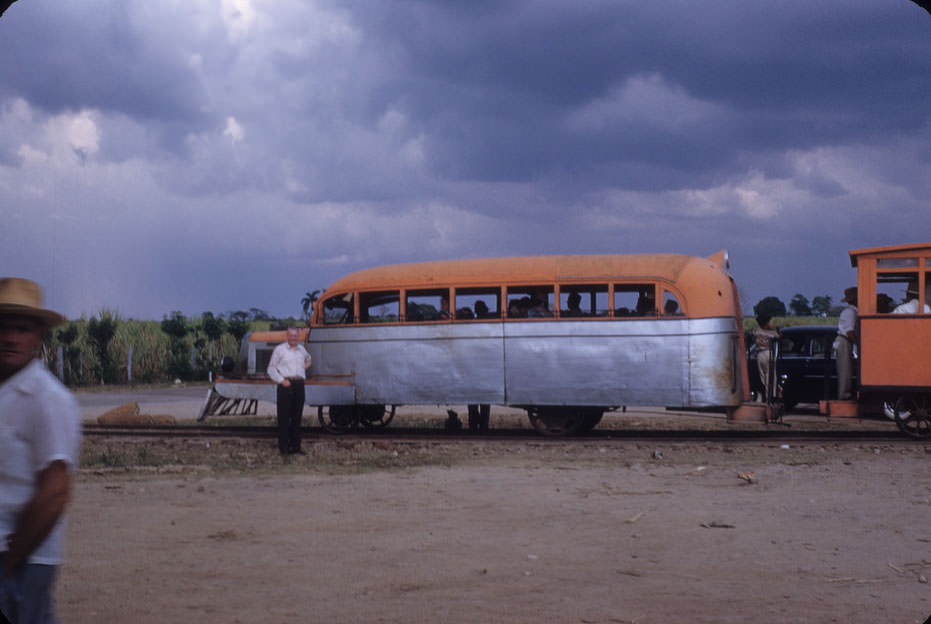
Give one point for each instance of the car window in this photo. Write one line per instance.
(817, 345)
(792, 345)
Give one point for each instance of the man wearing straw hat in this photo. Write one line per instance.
(40, 436)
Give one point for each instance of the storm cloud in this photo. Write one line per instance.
(227, 154)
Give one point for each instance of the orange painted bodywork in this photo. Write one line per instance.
(895, 351)
(894, 348)
(701, 285)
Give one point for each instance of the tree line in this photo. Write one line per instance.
(798, 306)
(106, 349)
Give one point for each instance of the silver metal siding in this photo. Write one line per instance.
(631, 362)
(677, 362)
(415, 364)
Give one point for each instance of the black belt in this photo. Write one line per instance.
(295, 379)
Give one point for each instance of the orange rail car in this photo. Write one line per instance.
(895, 332)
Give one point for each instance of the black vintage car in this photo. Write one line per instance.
(801, 365)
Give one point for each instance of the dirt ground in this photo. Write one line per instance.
(474, 530)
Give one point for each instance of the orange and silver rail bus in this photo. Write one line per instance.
(566, 338)
(894, 334)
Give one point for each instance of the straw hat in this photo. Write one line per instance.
(24, 298)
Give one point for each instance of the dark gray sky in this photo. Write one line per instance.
(227, 154)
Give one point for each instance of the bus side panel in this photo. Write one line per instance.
(894, 351)
(716, 369)
(675, 362)
(415, 364)
(598, 363)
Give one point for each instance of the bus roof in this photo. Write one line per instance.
(521, 269)
(889, 249)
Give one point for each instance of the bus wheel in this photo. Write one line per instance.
(337, 418)
(911, 415)
(590, 418)
(556, 421)
(375, 416)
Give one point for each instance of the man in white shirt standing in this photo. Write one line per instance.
(40, 437)
(843, 344)
(288, 368)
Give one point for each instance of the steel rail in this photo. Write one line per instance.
(402, 435)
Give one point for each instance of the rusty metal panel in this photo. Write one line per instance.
(715, 363)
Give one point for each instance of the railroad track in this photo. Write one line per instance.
(771, 435)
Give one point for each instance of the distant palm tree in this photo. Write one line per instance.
(307, 302)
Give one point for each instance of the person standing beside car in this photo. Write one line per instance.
(763, 338)
(843, 344)
(288, 368)
(40, 438)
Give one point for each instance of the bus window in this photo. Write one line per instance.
(338, 310)
(634, 300)
(478, 303)
(671, 305)
(583, 300)
(379, 307)
(530, 301)
(428, 305)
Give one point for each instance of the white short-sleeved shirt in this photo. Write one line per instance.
(847, 321)
(39, 423)
(288, 362)
(910, 307)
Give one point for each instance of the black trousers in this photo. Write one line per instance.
(290, 409)
(479, 416)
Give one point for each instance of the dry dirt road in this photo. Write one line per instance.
(489, 531)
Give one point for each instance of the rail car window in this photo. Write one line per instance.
(478, 303)
(338, 310)
(530, 301)
(428, 305)
(634, 300)
(671, 305)
(896, 263)
(897, 292)
(583, 300)
(379, 307)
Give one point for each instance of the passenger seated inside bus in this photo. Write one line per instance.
(634, 300)
(428, 305)
(519, 308)
(646, 305)
(538, 308)
(481, 309)
(444, 308)
(574, 305)
(671, 304)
